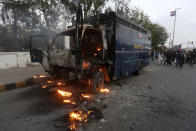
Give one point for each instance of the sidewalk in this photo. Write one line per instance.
(19, 74)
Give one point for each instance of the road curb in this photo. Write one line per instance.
(17, 85)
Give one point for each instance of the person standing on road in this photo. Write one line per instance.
(152, 55)
(169, 57)
(194, 56)
(178, 58)
(160, 58)
(181, 59)
(189, 59)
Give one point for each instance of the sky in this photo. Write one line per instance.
(159, 12)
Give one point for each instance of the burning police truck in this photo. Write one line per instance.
(102, 47)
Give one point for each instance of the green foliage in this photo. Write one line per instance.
(90, 7)
(20, 17)
(159, 33)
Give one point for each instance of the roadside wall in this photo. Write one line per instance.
(15, 59)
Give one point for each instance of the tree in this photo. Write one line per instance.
(90, 7)
(159, 35)
(137, 15)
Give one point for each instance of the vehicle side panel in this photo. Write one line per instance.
(130, 50)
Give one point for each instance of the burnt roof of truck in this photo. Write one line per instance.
(106, 17)
(71, 29)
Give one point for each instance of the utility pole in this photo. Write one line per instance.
(174, 26)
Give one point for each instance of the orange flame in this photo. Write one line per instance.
(44, 86)
(104, 90)
(86, 96)
(79, 116)
(59, 83)
(69, 102)
(95, 54)
(86, 64)
(89, 82)
(42, 76)
(35, 77)
(72, 126)
(64, 93)
(49, 82)
(98, 48)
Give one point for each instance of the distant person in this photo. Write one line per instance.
(178, 58)
(152, 55)
(194, 56)
(173, 56)
(181, 60)
(169, 57)
(189, 59)
(160, 58)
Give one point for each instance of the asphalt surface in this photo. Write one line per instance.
(19, 74)
(161, 99)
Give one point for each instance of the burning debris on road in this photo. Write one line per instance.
(64, 93)
(86, 96)
(104, 90)
(69, 102)
(74, 97)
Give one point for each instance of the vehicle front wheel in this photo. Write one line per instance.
(97, 81)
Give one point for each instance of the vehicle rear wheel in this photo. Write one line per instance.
(139, 71)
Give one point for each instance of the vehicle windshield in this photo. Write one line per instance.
(91, 42)
(63, 42)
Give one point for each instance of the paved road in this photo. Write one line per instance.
(161, 99)
(19, 74)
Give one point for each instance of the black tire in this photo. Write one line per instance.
(97, 81)
(139, 71)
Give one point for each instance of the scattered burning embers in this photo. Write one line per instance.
(44, 86)
(69, 102)
(49, 82)
(77, 118)
(59, 84)
(104, 90)
(39, 76)
(85, 96)
(64, 93)
(98, 48)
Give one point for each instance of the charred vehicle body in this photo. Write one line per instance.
(102, 47)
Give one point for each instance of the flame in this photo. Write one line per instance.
(86, 96)
(79, 116)
(49, 82)
(95, 54)
(104, 90)
(72, 126)
(69, 102)
(59, 83)
(35, 77)
(64, 93)
(44, 86)
(89, 82)
(42, 76)
(98, 48)
(86, 64)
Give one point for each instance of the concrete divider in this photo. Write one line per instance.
(15, 59)
(21, 84)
